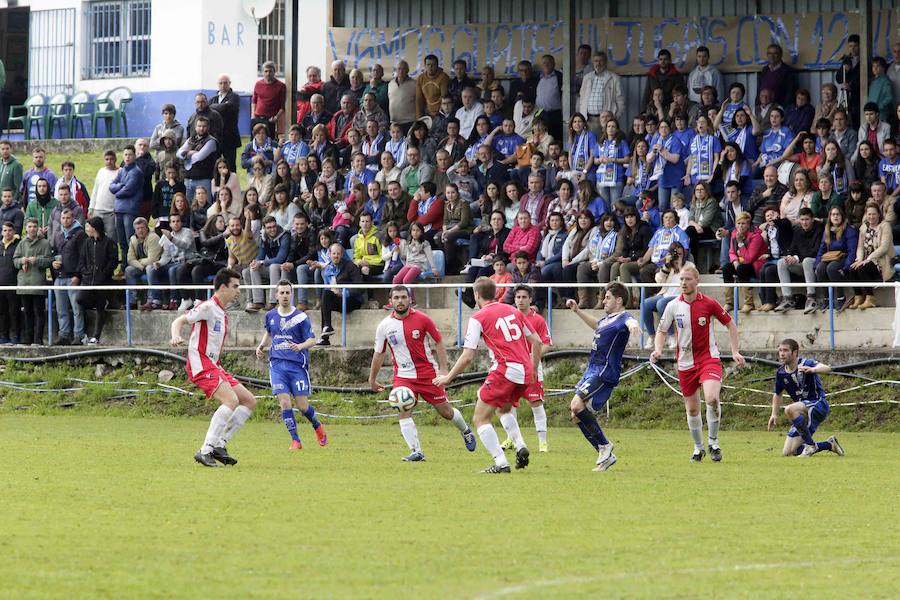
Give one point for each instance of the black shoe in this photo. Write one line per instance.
(221, 455)
(206, 460)
(698, 455)
(715, 453)
(62, 341)
(327, 331)
(494, 469)
(323, 342)
(522, 458)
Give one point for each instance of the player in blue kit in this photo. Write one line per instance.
(290, 334)
(604, 367)
(799, 378)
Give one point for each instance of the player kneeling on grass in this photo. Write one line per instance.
(535, 393)
(604, 368)
(800, 379)
(516, 353)
(404, 332)
(290, 334)
(209, 327)
(699, 366)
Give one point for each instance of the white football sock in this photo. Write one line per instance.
(511, 426)
(492, 444)
(410, 434)
(240, 416)
(713, 416)
(458, 420)
(695, 425)
(540, 421)
(216, 427)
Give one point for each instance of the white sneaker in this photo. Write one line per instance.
(648, 343)
(464, 270)
(808, 450)
(185, 305)
(605, 453)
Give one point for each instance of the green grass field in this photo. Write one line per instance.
(116, 507)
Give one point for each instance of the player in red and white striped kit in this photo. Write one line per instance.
(405, 332)
(515, 353)
(699, 366)
(209, 327)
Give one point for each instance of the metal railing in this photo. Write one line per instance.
(131, 290)
(117, 38)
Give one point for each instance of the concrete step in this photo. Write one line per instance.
(853, 329)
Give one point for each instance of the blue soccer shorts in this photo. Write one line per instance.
(289, 379)
(594, 391)
(818, 412)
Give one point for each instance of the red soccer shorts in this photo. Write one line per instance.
(692, 379)
(499, 391)
(209, 379)
(534, 392)
(427, 391)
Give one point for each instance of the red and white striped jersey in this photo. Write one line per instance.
(538, 325)
(209, 326)
(693, 328)
(504, 331)
(413, 358)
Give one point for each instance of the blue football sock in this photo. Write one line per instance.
(800, 424)
(288, 417)
(310, 414)
(590, 423)
(824, 446)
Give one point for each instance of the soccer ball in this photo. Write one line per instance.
(403, 399)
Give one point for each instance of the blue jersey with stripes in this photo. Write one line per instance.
(294, 328)
(610, 339)
(802, 387)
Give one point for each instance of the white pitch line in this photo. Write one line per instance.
(549, 583)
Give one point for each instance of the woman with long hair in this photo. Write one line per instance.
(613, 154)
(746, 249)
(874, 257)
(212, 256)
(582, 145)
(225, 205)
(668, 164)
(224, 178)
(418, 138)
(799, 195)
(838, 168)
(735, 167)
(575, 251)
(595, 269)
(705, 217)
(638, 180)
(836, 254)
(565, 203)
(631, 243)
(865, 164)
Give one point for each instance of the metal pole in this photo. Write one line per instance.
(831, 314)
(128, 318)
(343, 318)
(49, 318)
(735, 301)
(641, 315)
(550, 310)
(459, 324)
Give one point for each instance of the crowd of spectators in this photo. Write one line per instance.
(378, 178)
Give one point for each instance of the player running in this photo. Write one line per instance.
(209, 326)
(404, 332)
(800, 379)
(604, 368)
(535, 392)
(698, 357)
(515, 354)
(290, 334)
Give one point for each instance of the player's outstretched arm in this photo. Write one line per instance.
(776, 404)
(462, 363)
(263, 344)
(589, 320)
(734, 340)
(377, 361)
(819, 368)
(177, 325)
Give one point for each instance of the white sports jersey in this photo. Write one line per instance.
(413, 358)
(209, 326)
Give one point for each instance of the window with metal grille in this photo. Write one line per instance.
(271, 40)
(117, 34)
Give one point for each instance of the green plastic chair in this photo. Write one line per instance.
(58, 112)
(111, 107)
(28, 115)
(79, 111)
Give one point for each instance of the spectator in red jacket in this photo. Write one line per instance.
(427, 209)
(662, 75)
(267, 103)
(342, 120)
(524, 237)
(312, 86)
